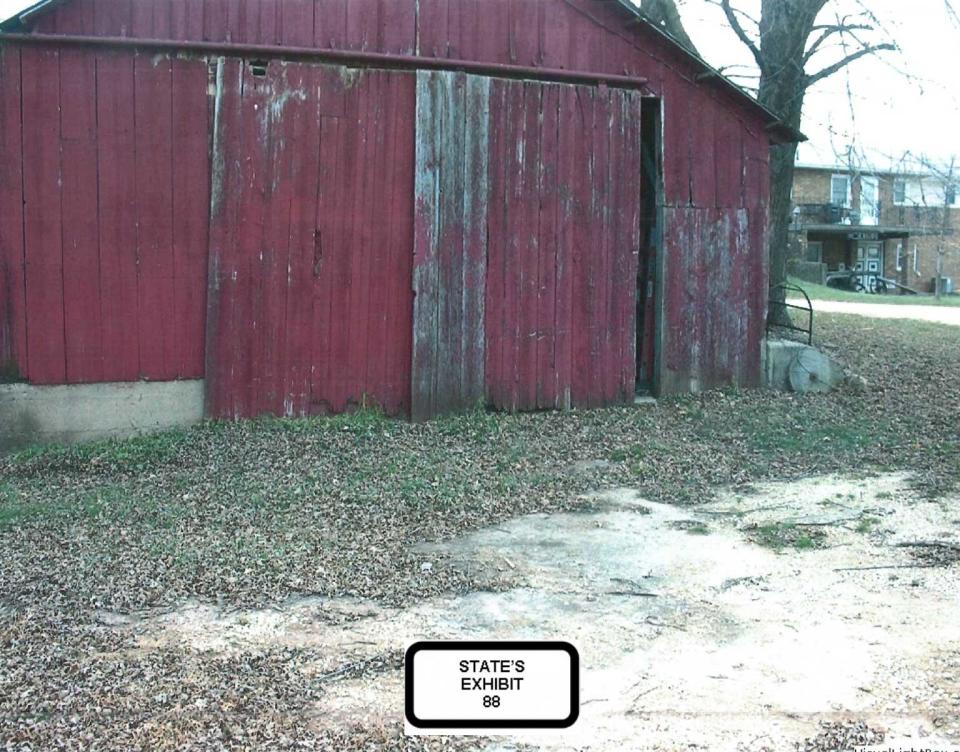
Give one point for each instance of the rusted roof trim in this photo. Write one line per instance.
(778, 130)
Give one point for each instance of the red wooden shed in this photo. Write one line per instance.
(422, 204)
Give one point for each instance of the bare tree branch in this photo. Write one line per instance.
(840, 64)
(828, 31)
(738, 30)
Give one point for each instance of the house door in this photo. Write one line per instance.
(527, 237)
(311, 240)
(869, 264)
(869, 200)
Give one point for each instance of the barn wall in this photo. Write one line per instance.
(714, 260)
(310, 303)
(104, 195)
(712, 275)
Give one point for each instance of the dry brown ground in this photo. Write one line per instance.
(252, 514)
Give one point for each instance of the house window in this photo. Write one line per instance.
(899, 257)
(840, 190)
(916, 260)
(899, 191)
(815, 252)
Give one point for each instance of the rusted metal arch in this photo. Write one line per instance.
(339, 57)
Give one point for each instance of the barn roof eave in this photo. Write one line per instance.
(779, 131)
(20, 18)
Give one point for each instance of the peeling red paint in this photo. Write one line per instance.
(109, 248)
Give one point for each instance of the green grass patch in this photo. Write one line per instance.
(822, 292)
(781, 535)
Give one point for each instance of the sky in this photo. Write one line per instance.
(883, 106)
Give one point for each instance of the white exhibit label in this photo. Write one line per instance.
(492, 685)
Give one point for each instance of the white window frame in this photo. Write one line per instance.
(849, 196)
(916, 259)
(902, 200)
(899, 257)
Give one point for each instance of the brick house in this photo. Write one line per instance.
(890, 224)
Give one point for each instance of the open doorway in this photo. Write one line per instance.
(650, 234)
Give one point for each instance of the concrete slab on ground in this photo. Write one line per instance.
(699, 628)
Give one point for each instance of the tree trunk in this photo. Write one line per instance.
(784, 29)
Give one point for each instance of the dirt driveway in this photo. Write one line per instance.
(748, 623)
(935, 314)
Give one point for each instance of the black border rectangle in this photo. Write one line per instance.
(505, 645)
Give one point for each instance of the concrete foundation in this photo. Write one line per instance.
(84, 412)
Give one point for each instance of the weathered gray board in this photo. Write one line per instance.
(450, 250)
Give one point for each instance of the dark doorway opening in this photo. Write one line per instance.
(650, 234)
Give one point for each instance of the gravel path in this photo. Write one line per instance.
(935, 314)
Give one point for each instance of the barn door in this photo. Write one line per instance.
(526, 244)
(311, 235)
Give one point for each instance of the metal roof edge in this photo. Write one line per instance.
(18, 19)
(783, 132)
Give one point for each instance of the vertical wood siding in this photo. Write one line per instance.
(311, 233)
(104, 188)
(546, 202)
(563, 246)
(450, 252)
(103, 246)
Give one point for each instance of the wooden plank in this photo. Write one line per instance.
(397, 32)
(261, 237)
(330, 25)
(225, 191)
(546, 395)
(297, 22)
(376, 278)
(450, 248)
(402, 238)
(582, 298)
(567, 170)
(432, 31)
(496, 250)
(81, 241)
(141, 20)
(525, 32)
(363, 242)
(303, 139)
(512, 146)
(269, 22)
(117, 218)
(363, 25)
(42, 217)
(325, 272)
(113, 18)
(76, 17)
(476, 215)
(216, 16)
(13, 318)
(599, 258)
(426, 239)
(528, 258)
(191, 211)
(629, 186)
(154, 196)
(703, 148)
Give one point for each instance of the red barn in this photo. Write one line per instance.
(421, 204)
